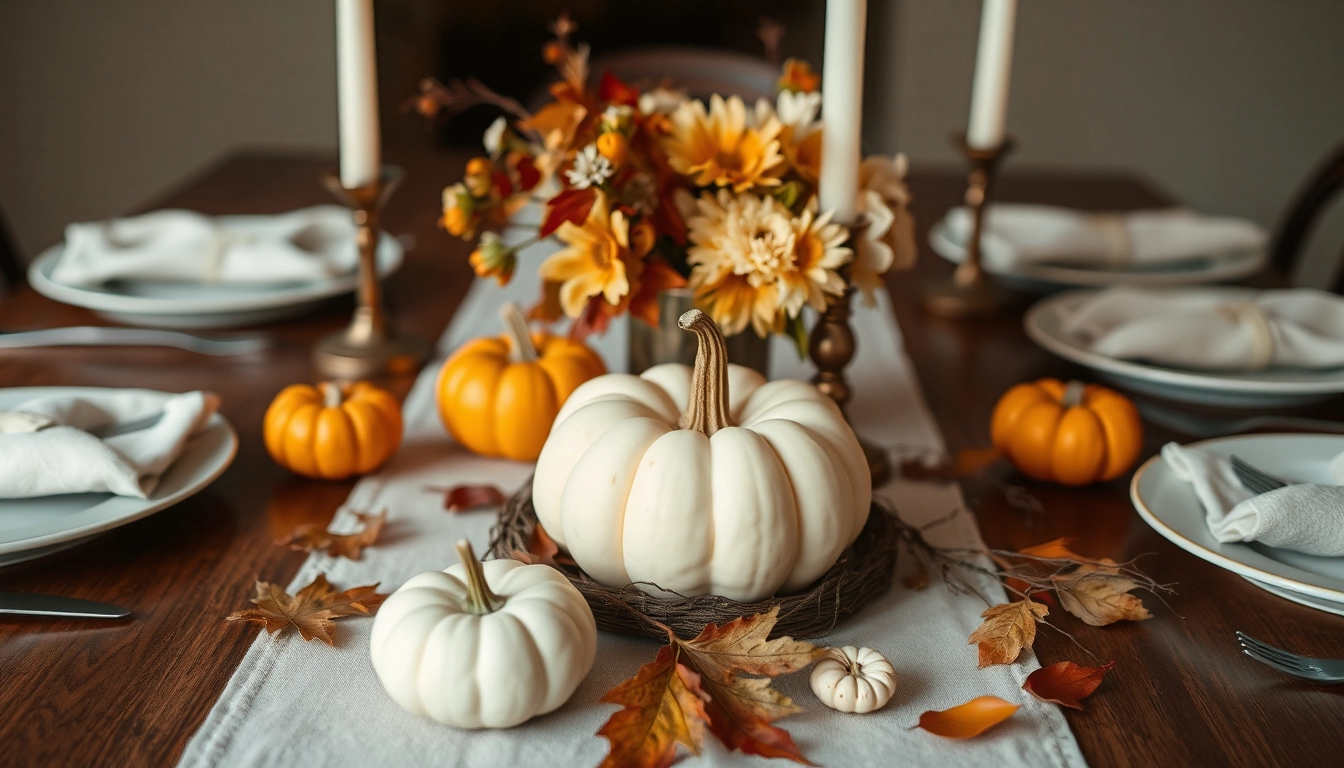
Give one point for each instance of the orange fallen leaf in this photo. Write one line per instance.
(311, 610)
(663, 706)
(311, 538)
(917, 579)
(1007, 629)
(737, 710)
(1057, 549)
(1065, 683)
(967, 720)
(541, 550)
(464, 498)
(965, 463)
(1099, 596)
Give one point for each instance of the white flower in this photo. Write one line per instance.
(590, 169)
(663, 101)
(616, 117)
(494, 135)
(794, 110)
(887, 241)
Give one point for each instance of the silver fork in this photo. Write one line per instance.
(1253, 479)
(1307, 668)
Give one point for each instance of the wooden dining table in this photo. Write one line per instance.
(132, 692)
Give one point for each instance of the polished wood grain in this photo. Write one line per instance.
(133, 692)
(1181, 693)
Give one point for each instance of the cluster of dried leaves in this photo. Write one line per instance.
(314, 538)
(311, 611)
(699, 686)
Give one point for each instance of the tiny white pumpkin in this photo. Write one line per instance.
(853, 679)
(756, 489)
(484, 645)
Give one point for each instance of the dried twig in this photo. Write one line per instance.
(447, 100)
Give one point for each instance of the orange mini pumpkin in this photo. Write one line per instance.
(498, 395)
(1071, 434)
(332, 431)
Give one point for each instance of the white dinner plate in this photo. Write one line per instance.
(1270, 388)
(201, 305)
(1035, 278)
(35, 527)
(1170, 506)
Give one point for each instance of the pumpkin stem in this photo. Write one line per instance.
(480, 599)
(1073, 395)
(522, 350)
(332, 397)
(707, 409)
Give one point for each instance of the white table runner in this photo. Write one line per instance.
(296, 703)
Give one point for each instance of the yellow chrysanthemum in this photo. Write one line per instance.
(751, 259)
(720, 148)
(594, 262)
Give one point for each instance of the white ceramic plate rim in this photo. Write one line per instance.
(1311, 383)
(1222, 560)
(390, 256)
(1236, 265)
(212, 467)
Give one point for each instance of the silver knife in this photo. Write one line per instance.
(30, 604)
(98, 336)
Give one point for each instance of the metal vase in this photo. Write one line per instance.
(668, 343)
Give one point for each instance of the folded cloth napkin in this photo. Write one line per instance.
(182, 246)
(1017, 234)
(1306, 518)
(49, 445)
(1212, 329)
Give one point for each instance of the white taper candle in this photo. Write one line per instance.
(993, 69)
(357, 91)
(842, 108)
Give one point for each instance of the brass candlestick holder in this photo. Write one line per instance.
(831, 346)
(368, 348)
(971, 292)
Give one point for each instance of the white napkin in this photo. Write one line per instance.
(1213, 329)
(1017, 234)
(1306, 518)
(52, 450)
(182, 246)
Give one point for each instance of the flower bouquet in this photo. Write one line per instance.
(650, 190)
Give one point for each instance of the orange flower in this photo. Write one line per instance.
(458, 211)
(719, 148)
(798, 77)
(493, 259)
(594, 262)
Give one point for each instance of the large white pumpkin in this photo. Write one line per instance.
(756, 489)
(484, 645)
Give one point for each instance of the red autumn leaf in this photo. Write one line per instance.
(572, 205)
(541, 550)
(464, 498)
(1065, 683)
(656, 277)
(967, 720)
(613, 90)
(663, 706)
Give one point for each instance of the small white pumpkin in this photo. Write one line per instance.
(484, 645)
(853, 679)
(756, 489)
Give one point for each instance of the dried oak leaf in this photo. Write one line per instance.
(1065, 683)
(1007, 629)
(967, 720)
(541, 550)
(741, 709)
(967, 462)
(464, 498)
(311, 610)
(311, 538)
(737, 710)
(1099, 595)
(663, 706)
